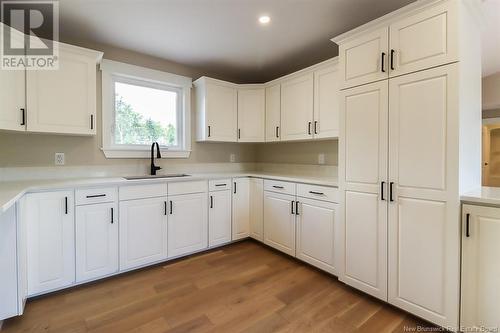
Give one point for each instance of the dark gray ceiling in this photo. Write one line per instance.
(222, 36)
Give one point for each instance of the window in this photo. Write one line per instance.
(141, 106)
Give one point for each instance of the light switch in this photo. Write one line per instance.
(232, 158)
(321, 158)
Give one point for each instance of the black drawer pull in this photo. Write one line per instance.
(211, 201)
(292, 204)
(467, 225)
(391, 185)
(220, 184)
(297, 208)
(382, 184)
(279, 187)
(96, 196)
(383, 62)
(112, 215)
(165, 208)
(23, 117)
(171, 207)
(66, 205)
(317, 193)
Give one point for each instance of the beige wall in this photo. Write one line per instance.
(491, 92)
(22, 149)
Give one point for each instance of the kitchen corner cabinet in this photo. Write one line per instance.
(96, 241)
(216, 110)
(50, 240)
(480, 267)
(187, 223)
(251, 114)
(143, 231)
(63, 101)
(241, 208)
(273, 113)
(297, 98)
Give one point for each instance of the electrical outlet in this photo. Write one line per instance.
(59, 159)
(232, 158)
(321, 158)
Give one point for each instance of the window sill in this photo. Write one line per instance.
(131, 153)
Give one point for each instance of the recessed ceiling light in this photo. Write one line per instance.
(264, 19)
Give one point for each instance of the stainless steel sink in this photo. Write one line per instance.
(173, 175)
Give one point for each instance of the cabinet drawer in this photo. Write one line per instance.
(279, 186)
(187, 187)
(95, 195)
(318, 192)
(219, 184)
(143, 191)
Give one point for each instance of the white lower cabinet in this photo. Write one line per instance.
(279, 221)
(50, 240)
(316, 233)
(219, 218)
(257, 208)
(241, 208)
(480, 309)
(187, 224)
(143, 232)
(96, 241)
(8, 265)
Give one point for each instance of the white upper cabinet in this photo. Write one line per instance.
(480, 269)
(273, 113)
(326, 102)
(251, 114)
(426, 39)
(216, 110)
(63, 101)
(420, 37)
(364, 59)
(50, 227)
(297, 100)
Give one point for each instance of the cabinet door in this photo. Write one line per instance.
(241, 208)
(187, 224)
(316, 234)
(257, 208)
(251, 115)
(273, 113)
(63, 100)
(50, 240)
(8, 264)
(423, 213)
(96, 241)
(364, 59)
(480, 269)
(221, 113)
(143, 232)
(297, 108)
(279, 221)
(326, 103)
(219, 218)
(363, 147)
(424, 40)
(13, 100)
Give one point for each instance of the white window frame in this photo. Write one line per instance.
(112, 72)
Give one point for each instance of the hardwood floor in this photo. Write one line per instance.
(244, 287)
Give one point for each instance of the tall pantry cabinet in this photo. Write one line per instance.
(409, 145)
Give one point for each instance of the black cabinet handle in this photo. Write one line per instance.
(239, 133)
(382, 184)
(95, 196)
(279, 187)
(383, 62)
(392, 59)
(391, 185)
(315, 127)
(23, 117)
(467, 224)
(211, 201)
(317, 193)
(292, 204)
(208, 131)
(297, 208)
(112, 215)
(66, 205)
(171, 207)
(277, 132)
(309, 128)
(220, 184)
(165, 208)
(234, 188)
(91, 121)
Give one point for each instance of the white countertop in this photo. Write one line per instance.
(484, 195)
(12, 191)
